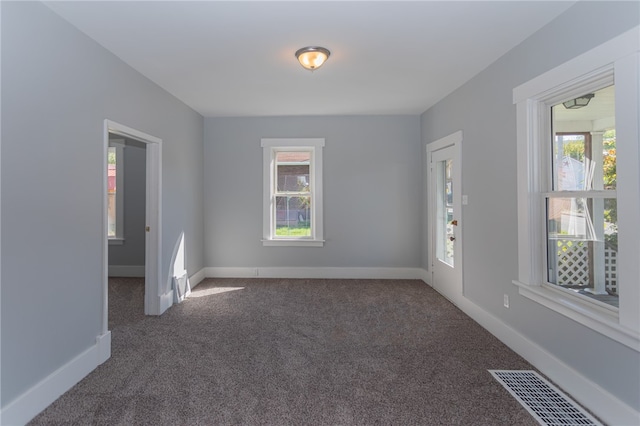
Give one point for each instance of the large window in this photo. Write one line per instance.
(581, 202)
(579, 189)
(292, 213)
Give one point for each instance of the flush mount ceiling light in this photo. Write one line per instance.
(580, 102)
(312, 57)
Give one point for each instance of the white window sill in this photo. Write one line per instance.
(293, 243)
(602, 319)
(115, 241)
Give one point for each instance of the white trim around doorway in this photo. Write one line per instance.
(153, 300)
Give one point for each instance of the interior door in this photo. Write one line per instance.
(445, 218)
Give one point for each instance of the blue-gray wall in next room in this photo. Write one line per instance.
(372, 191)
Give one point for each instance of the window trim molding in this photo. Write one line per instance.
(581, 311)
(619, 56)
(594, 60)
(269, 146)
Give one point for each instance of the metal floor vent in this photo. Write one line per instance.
(546, 403)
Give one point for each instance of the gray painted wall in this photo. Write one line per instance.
(372, 185)
(483, 109)
(131, 251)
(57, 88)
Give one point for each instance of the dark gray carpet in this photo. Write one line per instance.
(295, 352)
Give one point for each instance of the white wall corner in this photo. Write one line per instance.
(28, 405)
(602, 403)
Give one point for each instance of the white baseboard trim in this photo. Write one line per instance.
(103, 343)
(28, 405)
(166, 301)
(126, 270)
(589, 394)
(197, 278)
(319, 273)
(426, 277)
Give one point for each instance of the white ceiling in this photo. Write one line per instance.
(236, 58)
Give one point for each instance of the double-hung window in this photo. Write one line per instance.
(579, 189)
(292, 199)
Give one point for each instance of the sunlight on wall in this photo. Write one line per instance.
(181, 285)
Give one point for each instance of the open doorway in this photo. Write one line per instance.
(148, 147)
(126, 196)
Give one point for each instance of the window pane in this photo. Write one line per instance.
(582, 235)
(111, 192)
(444, 208)
(292, 171)
(293, 216)
(584, 146)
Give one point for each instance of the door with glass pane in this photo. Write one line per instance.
(444, 214)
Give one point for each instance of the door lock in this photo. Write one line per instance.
(452, 238)
(147, 228)
(454, 222)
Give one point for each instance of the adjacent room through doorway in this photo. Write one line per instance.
(126, 204)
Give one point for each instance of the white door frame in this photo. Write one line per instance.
(153, 219)
(455, 141)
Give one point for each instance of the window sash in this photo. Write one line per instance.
(275, 193)
(274, 225)
(271, 148)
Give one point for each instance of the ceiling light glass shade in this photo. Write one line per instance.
(580, 102)
(312, 57)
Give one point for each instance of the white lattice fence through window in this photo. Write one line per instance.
(573, 263)
(611, 270)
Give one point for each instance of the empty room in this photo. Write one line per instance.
(320, 212)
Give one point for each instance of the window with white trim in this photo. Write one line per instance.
(580, 198)
(115, 191)
(579, 189)
(292, 192)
